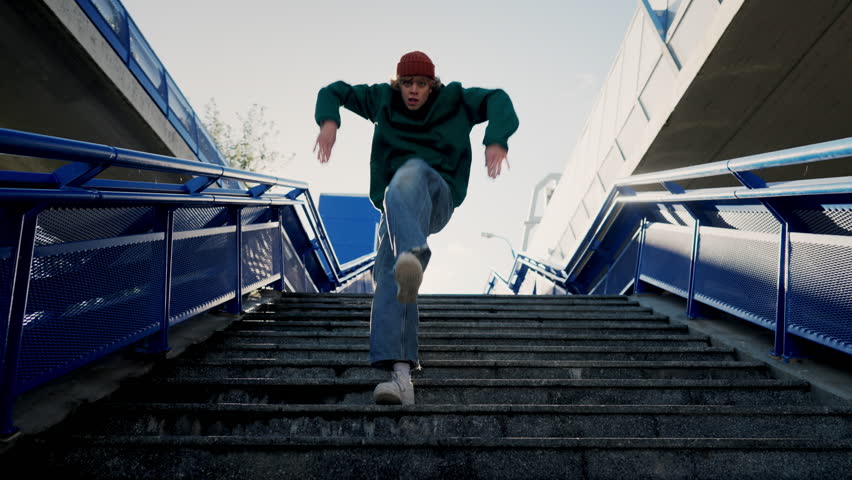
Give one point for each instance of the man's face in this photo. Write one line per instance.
(415, 91)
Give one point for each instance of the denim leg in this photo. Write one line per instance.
(418, 203)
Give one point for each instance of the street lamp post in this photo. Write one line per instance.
(492, 235)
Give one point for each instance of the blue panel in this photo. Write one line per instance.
(351, 224)
(820, 291)
(203, 273)
(88, 303)
(623, 271)
(738, 272)
(110, 18)
(261, 259)
(187, 219)
(251, 215)
(181, 114)
(61, 225)
(667, 256)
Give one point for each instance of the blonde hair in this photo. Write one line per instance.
(435, 82)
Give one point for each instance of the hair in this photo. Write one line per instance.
(436, 82)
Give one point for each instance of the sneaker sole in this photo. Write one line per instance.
(387, 399)
(409, 275)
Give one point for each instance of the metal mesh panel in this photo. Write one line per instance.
(738, 272)
(623, 271)
(261, 257)
(664, 214)
(6, 270)
(666, 257)
(80, 224)
(88, 303)
(187, 219)
(683, 217)
(203, 273)
(294, 270)
(836, 221)
(756, 219)
(820, 289)
(252, 215)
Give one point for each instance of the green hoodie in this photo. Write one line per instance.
(438, 132)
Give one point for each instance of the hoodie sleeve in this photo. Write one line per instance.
(360, 99)
(495, 107)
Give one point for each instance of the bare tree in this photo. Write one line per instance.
(247, 146)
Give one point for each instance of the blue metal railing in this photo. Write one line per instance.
(776, 254)
(120, 31)
(89, 266)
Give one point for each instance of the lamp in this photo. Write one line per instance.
(493, 235)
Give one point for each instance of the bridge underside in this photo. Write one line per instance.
(53, 86)
(778, 78)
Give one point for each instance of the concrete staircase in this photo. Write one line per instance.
(511, 387)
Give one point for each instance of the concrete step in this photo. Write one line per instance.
(452, 307)
(471, 391)
(495, 369)
(465, 352)
(427, 338)
(486, 421)
(469, 315)
(537, 326)
(274, 456)
(463, 299)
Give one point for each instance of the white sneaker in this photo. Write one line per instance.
(395, 392)
(409, 275)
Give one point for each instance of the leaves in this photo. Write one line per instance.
(247, 146)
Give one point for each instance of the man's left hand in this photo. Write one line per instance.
(494, 156)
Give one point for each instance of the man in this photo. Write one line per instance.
(419, 171)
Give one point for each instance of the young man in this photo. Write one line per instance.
(419, 170)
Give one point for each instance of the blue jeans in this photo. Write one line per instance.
(417, 204)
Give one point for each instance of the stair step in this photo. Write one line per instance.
(467, 314)
(488, 421)
(554, 326)
(430, 308)
(273, 368)
(531, 339)
(462, 299)
(466, 352)
(268, 456)
(473, 391)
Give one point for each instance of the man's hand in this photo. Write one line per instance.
(494, 156)
(325, 140)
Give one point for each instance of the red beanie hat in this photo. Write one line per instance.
(415, 63)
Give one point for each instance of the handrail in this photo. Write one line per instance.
(795, 209)
(791, 156)
(16, 142)
(249, 250)
(90, 159)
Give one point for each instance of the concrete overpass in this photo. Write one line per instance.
(63, 77)
(697, 81)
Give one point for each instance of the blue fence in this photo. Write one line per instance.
(89, 266)
(776, 254)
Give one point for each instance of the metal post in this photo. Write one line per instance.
(643, 225)
(12, 331)
(692, 308)
(161, 344)
(783, 347)
(281, 284)
(236, 305)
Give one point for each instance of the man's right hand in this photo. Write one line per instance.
(325, 140)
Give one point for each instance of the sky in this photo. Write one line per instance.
(550, 56)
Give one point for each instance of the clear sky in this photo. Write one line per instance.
(550, 56)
